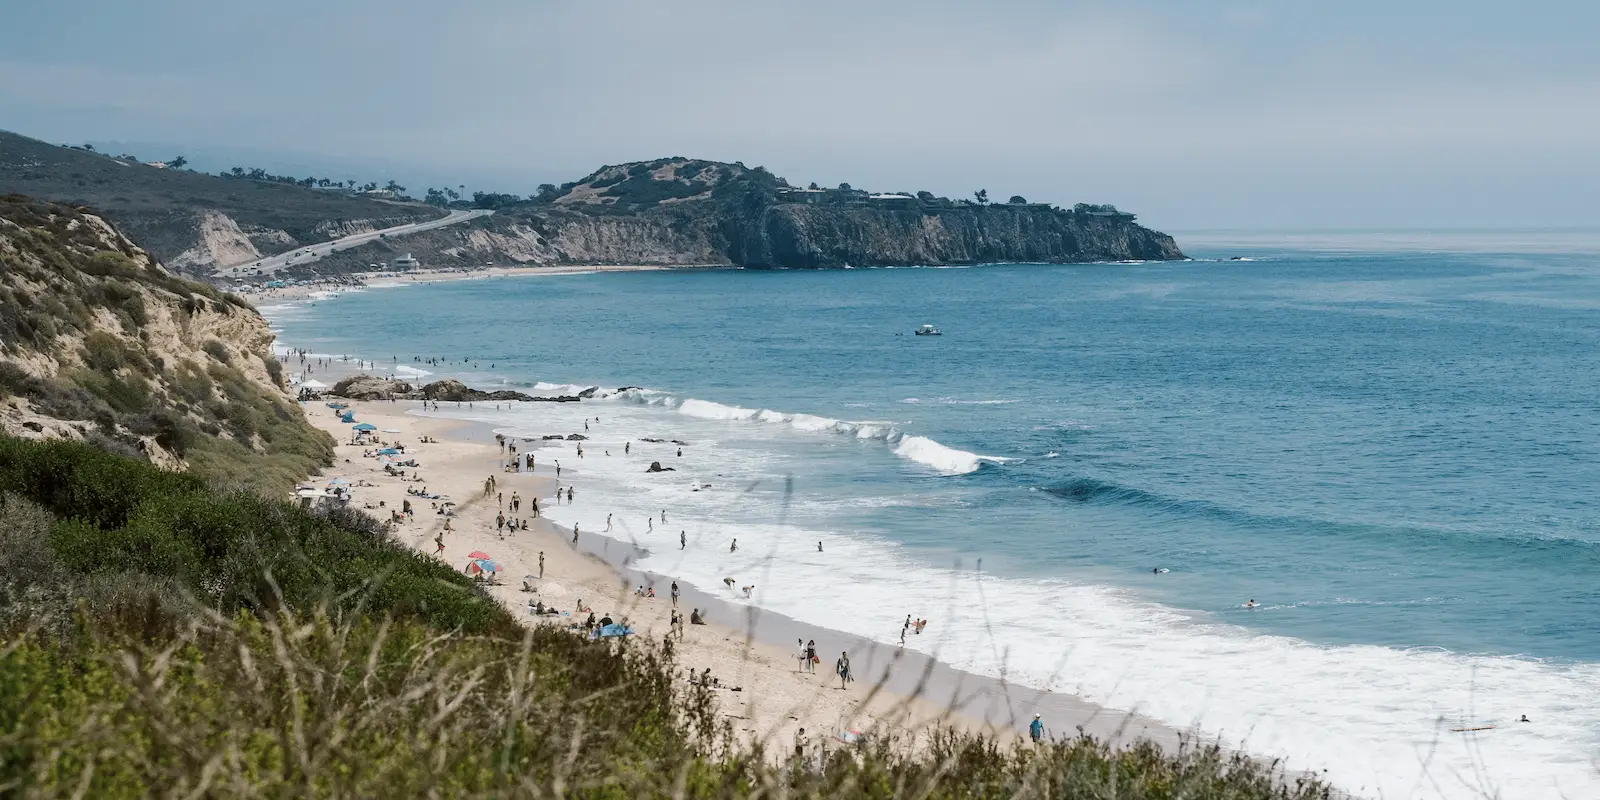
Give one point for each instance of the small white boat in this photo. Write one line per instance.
(928, 330)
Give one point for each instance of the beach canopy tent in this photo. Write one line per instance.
(388, 451)
(613, 630)
(349, 416)
(313, 384)
(365, 426)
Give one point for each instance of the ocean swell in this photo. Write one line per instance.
(920, 449)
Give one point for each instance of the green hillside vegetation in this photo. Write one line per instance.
(159, 207)
(95, 333)
(160, 637)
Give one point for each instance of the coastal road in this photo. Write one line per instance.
(305, 255)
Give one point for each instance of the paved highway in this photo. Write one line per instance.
(309, 253)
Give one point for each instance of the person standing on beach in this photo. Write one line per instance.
(575, 541)
(649, 525)
(1036, 729)
(811, 657)
(500, 497)
(903, 629)
(627, 447)
(541, 565)
(535, 508)
(558, 469)
(842, 668)
(569, 495)
(663, 516)
(683, 540)
(674, 594)
(734, 547)
(608, 523)
(800, 655)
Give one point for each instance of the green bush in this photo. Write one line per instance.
(217, 350)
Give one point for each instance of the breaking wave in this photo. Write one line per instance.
(921, 449)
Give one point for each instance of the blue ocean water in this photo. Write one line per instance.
(1393, 452)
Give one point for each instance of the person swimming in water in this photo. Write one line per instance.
(1251, 604)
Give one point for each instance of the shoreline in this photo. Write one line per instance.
(362, 280)
(899, 690)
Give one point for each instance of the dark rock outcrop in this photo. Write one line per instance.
(450, 390)
(370, 387)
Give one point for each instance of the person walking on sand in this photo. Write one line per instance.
(674, 594)
(811, 657)
(438, 542)
(1036, 729)
(535, 508)
(575, 541)
(683, 540)
(842, 668)
(541, 565)
(800, 655)
(608, 523)
(734, 546)
(649, 525)
(663, 516)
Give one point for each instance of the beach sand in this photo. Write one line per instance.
(744, 647)
(356, 280)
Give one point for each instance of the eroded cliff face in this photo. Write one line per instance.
(792, 235)
(98, 342)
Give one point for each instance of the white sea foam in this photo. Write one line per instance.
(946, 460)
(1377, 718)
(406, 371)
(560, 388)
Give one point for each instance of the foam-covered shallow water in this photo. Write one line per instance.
(1392, 454)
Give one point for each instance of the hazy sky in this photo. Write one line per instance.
(1401, 113)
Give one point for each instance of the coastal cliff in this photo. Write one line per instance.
(676, 211)
(99, 343)
(792, 235)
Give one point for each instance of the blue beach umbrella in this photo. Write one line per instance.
(365, 426)
(482, 565)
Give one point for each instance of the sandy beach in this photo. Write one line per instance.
(751, 653)
(357, 280)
